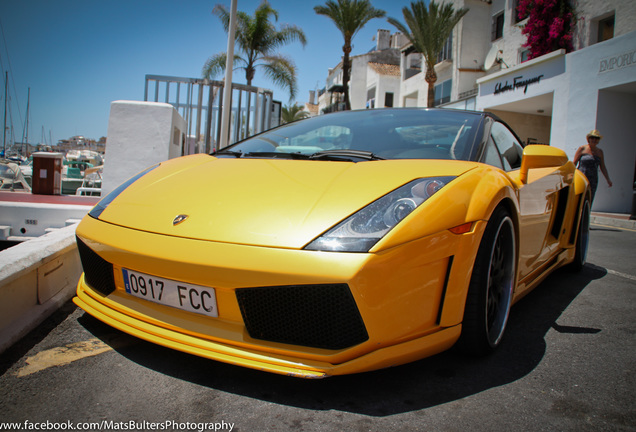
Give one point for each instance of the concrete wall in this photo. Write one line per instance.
(36, 278)
(29, 220)
(140, 134)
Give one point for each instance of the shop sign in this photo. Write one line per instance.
(617, 62)
(518, 82)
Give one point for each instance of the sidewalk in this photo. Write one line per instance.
(613, 219)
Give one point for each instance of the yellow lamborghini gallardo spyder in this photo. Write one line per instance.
(337, 244)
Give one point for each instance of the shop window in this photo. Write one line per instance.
(443, 92)
(605, 29)
(497, 26)
(388, 100)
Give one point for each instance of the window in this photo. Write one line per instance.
(388, 99)
(413, 64)
(523, 55)
(509, 148)
(492, 155)
(606, 29)
(414, 60)
(443, 92)
(371, 98)
(516, 19)
(497, 26)
(447, 52)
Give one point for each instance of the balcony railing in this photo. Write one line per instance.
(200, 103)
(334, 107)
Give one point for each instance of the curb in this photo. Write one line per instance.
(618, 221)
(36, 278)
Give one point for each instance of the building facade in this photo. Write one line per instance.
(555, 99)
(373, 75)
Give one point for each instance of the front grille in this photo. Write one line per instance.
(98, 273)
(318, 316)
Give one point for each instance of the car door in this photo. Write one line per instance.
(542, 200)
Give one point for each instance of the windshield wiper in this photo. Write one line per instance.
(237, 154)
(277, 155)
(345, 153)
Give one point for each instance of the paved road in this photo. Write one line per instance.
(568, 364)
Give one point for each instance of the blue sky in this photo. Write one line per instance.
(77, 56)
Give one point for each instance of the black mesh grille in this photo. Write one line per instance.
(98, 272)
(318, 316)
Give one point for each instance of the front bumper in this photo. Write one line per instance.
(410, 298)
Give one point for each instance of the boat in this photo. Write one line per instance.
(11, 178)
(92, 182)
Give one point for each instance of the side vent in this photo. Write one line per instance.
(562, 202)
(576, 221)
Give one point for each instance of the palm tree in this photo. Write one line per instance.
(428, 30)
(257, 40)
(293, 113)
(349, 16)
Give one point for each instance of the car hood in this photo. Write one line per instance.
(261, 202)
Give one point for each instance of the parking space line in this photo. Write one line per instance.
(623, 275)
(63, 355)
(612, 226)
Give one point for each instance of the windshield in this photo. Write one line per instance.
(368, 134)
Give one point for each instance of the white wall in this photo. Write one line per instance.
(140, 134)
(358, 82)
(615, 120)
(604, 98)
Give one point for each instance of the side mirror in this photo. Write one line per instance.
(540, 156)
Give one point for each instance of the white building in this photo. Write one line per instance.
(554, 99)
(558, 98)
(373, 75)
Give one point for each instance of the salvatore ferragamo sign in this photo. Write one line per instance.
(518, 82)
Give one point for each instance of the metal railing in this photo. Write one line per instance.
(200, 102)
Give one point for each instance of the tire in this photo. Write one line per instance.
(582, 238)
(491, 287)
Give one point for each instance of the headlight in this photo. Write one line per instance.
(104, 202)
(360, 231)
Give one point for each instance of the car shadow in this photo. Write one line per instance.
(433, 381)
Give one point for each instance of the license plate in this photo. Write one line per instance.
(193, 298)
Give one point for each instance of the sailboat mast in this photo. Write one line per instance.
(4, 131)
(26, 140)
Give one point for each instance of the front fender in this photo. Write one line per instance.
(492, 188)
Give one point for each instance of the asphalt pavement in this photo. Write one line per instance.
(567, 364)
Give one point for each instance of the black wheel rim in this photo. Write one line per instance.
(500, 282)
